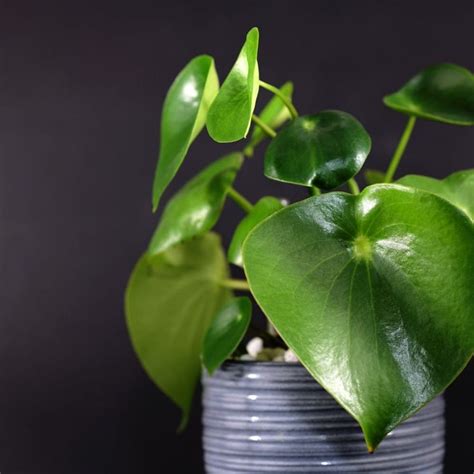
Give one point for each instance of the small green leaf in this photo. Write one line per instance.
(183, 117)
(274, 114)
(169, 304)
(444, 93)
(374, 176)
(458, 188)
(373, 293)
(225, 332)
(323, 150)
(196, 208)
(265, 207)
(231, 112)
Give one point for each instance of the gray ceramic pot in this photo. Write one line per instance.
(273, 417)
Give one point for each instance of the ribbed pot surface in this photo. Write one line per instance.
(273, 417)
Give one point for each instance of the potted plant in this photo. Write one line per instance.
(370, 292)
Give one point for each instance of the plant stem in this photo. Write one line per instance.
(289, 105)
(353, 186)
(235, 284)
(248, 151)
(314, 191)
(397, 156)
(242, 202)
(268, 130)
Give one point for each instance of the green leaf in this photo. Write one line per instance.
(374, 176)
(457, 188)
(169, 304)
(183, 117)
(265, 207)
(196, 208)
(274, 114)
(323, 150)
(373, 293)
(225, 332)
(231, 113)
(444, 93)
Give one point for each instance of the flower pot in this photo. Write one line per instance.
(273, 417)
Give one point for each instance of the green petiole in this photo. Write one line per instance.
(268, 130)
(234, 284)
(240, 200)
(397, 156)
(274, 90)
(353, 186)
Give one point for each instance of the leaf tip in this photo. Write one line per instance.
(371, 446)
(183, 423)
(289, 86)
(373, 437)
(205, 362)
(155, 201)
(210, 370)
(206, 57)
(254, 31)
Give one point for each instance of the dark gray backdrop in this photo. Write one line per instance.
(81, 87)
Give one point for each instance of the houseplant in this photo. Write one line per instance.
(372, 289)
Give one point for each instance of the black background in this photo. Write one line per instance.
(81, 88)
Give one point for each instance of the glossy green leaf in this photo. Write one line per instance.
(457, 188)
(196, 208)
(231, 112)
(323, 150)
(183, 117)
(444, 92)
(225, 332)
(274, 114)
(265, 207)
(373, 293)
(169, 304)
(374, 176)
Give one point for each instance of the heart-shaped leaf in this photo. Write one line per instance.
(183, 117)
(374, 176)
(225, 332)
(444, 93)
(458, 188)
(274, 114)
(196, 208)
(265, 207)
(373, 293)
(323, 150)
(169, 303)
(231, 112)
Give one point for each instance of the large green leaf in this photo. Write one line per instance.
(457, 188)
(444, 92)
(183, 117)
(231, 112)
(274, 114)
(197, 206)
(373, 293)
(225, 332)
(265, 207)
(169, 303)
(323, 150)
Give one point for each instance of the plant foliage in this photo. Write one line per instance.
(371, 290)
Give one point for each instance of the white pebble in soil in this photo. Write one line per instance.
(256, 351)
(290, 356)
(254, 346)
